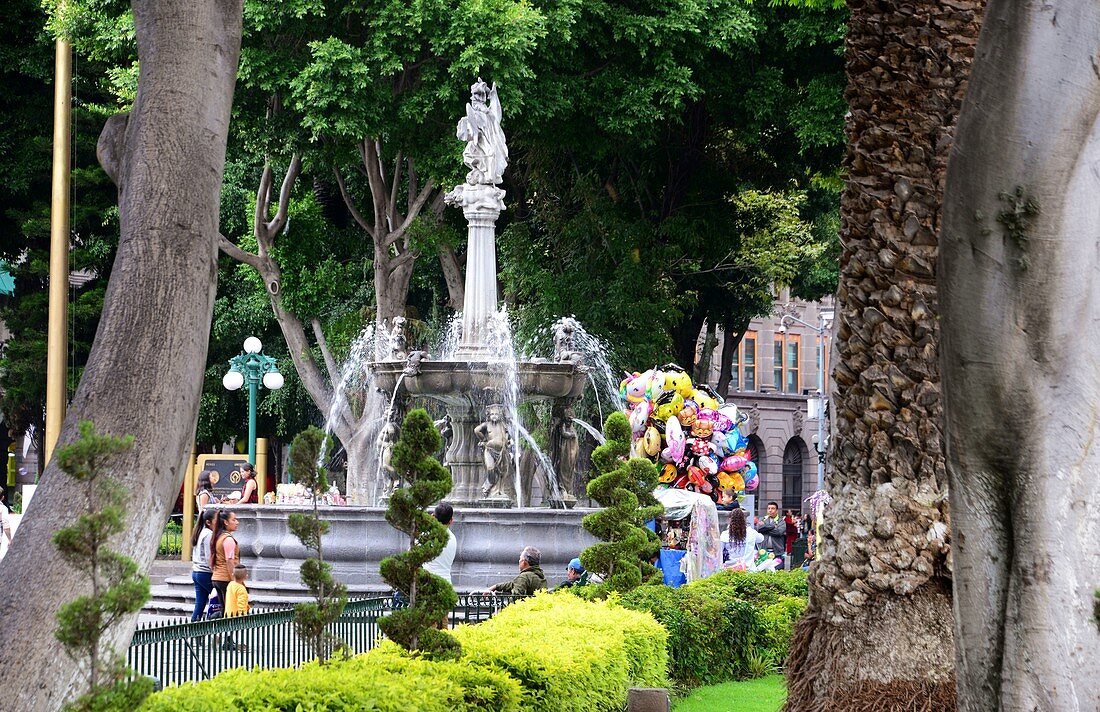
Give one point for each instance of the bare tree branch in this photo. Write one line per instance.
(322, 343)
(377, 183)
(239, 254)
(263, 201)
(349, 202)
(412, 185)
(395, 185)
(279, 221)
(415, 208)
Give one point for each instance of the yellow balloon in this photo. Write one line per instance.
(651, 442)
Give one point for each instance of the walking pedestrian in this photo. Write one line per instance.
(225, 553)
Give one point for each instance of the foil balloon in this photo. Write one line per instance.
(696, 476)
(668, 474)
(750, 470)
(676, 439)
(703, 400)
(668, 404)
(638, 417)
(707, 464)
(751, 484)
(738, 482)
(637, 386)
(733, 463)
(688, 414)
(703, 428)
(700, 447)
(651, 442)
(722, 423)
(718, 445)
(731, 411)
(725, 480)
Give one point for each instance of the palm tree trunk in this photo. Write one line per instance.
(878, 631)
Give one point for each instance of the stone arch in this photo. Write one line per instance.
(795, 457)
(759, 454)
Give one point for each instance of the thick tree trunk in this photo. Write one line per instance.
(877, 634)
(1018, 279)
(452, 274)
(731, 339)
(706, 354)
(144, 374)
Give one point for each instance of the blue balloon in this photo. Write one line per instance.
(750, 470)
(735, 440)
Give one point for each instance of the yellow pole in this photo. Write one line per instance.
(261, 469)
(57, 348)
(188, 505)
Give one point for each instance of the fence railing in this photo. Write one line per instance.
(175, 652)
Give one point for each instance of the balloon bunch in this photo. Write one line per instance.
(689, 431)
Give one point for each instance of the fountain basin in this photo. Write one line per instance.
(460, 382)
(489, 544)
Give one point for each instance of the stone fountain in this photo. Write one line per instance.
(480, 384)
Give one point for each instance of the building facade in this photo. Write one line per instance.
(774, 381)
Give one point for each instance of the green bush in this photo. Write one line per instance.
(624, 487)
(384, 679)
(570, 654)
(729, 626)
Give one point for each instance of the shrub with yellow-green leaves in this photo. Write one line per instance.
(384, 680)
(551, 652)
(571, 654)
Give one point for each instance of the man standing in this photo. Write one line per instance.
(530, 577)
(774, 530)
(441, 565)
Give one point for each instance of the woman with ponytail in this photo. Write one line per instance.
(200, 561)
(225, 553)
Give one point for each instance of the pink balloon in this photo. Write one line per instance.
(733, 463)
(752, 484)
(707, 414)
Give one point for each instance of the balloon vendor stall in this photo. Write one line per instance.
(690, 433)
(702, 458)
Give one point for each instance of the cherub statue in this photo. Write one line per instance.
(399, 342)
(564, 351)
(387, 436)
(496, 444)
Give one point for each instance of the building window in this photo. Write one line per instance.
(785, 368)
(748, 353)
(792, 477)
(743, 366)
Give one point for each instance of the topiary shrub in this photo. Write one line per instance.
(624, 486)
(729, 626)
(118, 588)
(430, 597)
(569, 654)
(383, 680)
(313, 619)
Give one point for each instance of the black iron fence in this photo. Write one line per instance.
(175, 652)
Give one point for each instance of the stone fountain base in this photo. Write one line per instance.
(489, 544)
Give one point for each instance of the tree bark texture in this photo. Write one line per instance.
(1020, 296)
(144, 374)
(877, 634)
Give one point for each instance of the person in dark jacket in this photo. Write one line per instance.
(774, 530)
(530, 577)
(575, 575)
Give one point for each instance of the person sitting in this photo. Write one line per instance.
(530, 578)
(575, 575)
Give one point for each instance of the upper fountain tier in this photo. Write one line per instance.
(466, 382)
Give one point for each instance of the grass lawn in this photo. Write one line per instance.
(764, 694)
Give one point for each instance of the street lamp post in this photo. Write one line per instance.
(825, 320)
(254, 368)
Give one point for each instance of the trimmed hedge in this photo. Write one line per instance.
(385, 679)
(728, 626)
(570, 654)
(549, 652)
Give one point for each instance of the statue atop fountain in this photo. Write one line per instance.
(482, 382)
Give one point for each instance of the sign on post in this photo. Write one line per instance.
(225, 472)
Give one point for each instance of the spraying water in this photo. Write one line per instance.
(595, 433)
(502, 354)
